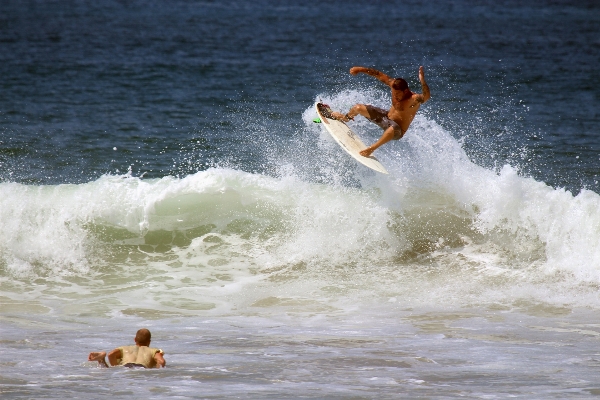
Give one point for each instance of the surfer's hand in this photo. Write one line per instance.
(354, 70)
(97, 356)
(421, 73)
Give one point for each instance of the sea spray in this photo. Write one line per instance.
(439, 229)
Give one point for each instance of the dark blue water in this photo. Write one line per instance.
(180, 86)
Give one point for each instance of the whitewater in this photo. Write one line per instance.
(160, 169)
(365, 264)
(492, 230)
(405, 272)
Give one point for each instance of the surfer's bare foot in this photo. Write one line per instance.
(366, 152)
(340, 116)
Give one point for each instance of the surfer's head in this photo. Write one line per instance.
(142, 337)
(400, 84)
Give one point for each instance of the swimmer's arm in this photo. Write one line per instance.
(374, 73)
(114, 356)
(98, 356)
(160, 360)
(422, 98)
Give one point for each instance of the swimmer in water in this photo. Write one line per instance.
(138, 356)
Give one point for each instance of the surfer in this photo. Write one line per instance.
(138, 356)
(396, 121)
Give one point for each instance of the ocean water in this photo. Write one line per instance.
(159, 168)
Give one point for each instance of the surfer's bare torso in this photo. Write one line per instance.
(404, 108)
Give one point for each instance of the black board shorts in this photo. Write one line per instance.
(133, 365)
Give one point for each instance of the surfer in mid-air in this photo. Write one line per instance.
(396, 121)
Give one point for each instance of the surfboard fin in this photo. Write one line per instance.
(317, 120)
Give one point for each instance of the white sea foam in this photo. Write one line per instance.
(439, 230)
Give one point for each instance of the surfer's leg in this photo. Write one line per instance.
(357, 109)
(388, 135)
(339, 116)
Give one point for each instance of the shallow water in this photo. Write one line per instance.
(279, 351)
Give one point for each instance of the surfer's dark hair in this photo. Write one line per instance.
(400, 84)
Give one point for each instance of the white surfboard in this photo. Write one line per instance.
(346, 138)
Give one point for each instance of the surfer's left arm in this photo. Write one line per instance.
(422, 98)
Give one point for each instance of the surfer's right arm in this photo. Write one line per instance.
(374, 73)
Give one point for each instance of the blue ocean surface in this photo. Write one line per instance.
(160, 168)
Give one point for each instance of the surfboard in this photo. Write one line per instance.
(347, 139)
